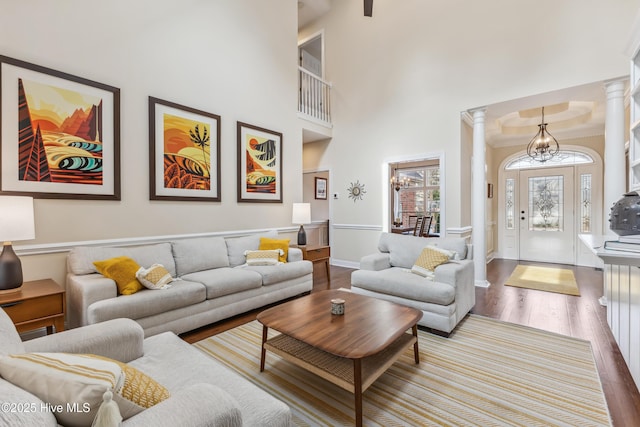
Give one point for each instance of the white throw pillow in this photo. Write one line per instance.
(263, 257)
(154, 277)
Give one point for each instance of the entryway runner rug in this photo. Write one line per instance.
(550, 279)
(487, 373)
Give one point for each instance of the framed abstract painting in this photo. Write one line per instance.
(60, 134)
(259, 164)
(184, 153)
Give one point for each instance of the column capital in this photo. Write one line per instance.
(620, 80)
(477, 110)
(616, 87)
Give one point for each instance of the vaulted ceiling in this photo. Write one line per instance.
(571, 113)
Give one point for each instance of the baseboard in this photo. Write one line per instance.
(482, 283)
(345, 263)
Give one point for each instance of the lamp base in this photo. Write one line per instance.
(10, 269)
(302, 237)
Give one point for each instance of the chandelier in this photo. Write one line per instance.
(398, 183)
(543, 146)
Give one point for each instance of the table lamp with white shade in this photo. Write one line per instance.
(301, 215)
(16, 223)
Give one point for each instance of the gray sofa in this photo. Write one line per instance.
(202, 391)
(443, 301)
(215, 284)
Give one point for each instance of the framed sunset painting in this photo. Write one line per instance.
(259, 164)
(60, 134)
(184, 152)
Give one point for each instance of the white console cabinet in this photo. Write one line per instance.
(622, 288)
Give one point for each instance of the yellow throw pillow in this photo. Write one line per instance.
(139, 388)
(74, 384)
(429, 259)
(123, 271)
(272, 244)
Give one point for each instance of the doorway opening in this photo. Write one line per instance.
(415, 190)
(544, 207)
(316, 187)
(311, 55)
(314, 92)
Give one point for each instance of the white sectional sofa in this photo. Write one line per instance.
(203, 392)
(444, 301)
(214, 284)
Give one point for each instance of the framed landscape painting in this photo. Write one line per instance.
(259, 164)
(184, 153)
(60, 134)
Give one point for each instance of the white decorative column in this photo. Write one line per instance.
(479, 198)
(614, 160)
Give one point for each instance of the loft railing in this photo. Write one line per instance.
(314, 97)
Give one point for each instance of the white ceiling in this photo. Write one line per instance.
(570, 113)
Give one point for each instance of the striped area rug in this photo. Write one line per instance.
(487, 373)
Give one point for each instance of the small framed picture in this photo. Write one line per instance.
(321, 188)
(490, 191)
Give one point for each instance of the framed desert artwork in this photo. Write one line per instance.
(60, 134)
(259, 164)
(184, 153)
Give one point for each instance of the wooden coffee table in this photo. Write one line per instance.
(350, 350)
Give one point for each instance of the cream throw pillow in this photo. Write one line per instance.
(265, 257)
(429, 259)
(73, 385)
(154, 277)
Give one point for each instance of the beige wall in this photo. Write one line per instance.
(400, 81)
(402, 78)
(234, 58)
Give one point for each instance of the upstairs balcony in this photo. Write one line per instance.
(314, 106)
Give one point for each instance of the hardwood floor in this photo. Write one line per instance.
(581, 317)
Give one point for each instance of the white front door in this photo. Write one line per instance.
(546, 215)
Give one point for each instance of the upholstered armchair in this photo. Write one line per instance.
(444, 291)
(201, 392)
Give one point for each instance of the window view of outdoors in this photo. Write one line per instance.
(416, 193)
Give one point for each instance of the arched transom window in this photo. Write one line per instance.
(563, 158)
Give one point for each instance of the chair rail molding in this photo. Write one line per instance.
(51, 248)
(357, 227)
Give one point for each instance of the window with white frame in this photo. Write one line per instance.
(563, 158)
(415, 192)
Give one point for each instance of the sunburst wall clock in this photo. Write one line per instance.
(356, 191)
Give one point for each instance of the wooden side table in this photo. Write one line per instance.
(38, 304)
(316, 254)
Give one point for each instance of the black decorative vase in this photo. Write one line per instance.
(302, 237)
(10, 269)
(625, 215)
